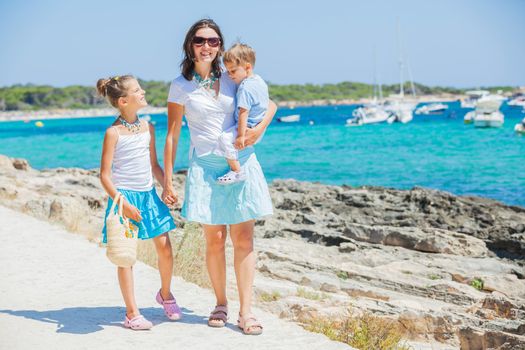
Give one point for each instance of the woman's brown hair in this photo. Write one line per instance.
(188, 63)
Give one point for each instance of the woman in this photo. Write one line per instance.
(207, 98)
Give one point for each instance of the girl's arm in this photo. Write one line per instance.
(254, 133)
(175, 113)
(108, 149)
(155, 167)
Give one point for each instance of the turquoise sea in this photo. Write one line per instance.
(434, 151)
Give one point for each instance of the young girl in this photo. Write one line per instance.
(129, 161)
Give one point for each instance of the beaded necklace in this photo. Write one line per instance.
(205, 83)
(132, 127)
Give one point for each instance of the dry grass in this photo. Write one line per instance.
(304, 293)
(273, 296)
(189, 255)
(189, 251)
(365, 331)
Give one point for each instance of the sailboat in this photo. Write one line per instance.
(373, 112)
(400, 108)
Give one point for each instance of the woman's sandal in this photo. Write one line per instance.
(249, 324)
(218, 316)
(137, 323)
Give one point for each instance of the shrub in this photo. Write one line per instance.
(365, 332)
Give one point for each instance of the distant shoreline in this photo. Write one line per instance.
(46, 114)
(61, 113)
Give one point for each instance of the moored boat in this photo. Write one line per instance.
(487, 114)
(290, 118)
(431, 108)
(520, 127)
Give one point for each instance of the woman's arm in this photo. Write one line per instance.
(155, 167)
(108, 150)
(254, 133)
(175, 113)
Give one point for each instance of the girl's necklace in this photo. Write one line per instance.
(205, 83)
(132, 127)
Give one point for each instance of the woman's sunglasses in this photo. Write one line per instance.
(200, 41)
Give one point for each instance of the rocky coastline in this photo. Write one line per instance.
(449, 269)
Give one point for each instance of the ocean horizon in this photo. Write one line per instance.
(433, 151)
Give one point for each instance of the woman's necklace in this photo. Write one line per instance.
(205, 83)
(132, 127)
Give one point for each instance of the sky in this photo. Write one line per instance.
(459, 43)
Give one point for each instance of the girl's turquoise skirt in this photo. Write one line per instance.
(207, 202)
(156, 217)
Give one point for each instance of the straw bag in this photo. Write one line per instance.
(121, 236)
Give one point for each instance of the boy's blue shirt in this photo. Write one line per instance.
(252, 95)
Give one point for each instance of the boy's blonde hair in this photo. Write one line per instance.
(238, 54)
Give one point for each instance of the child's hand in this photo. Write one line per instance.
(240, 142)
(169, 196)
(131, 212)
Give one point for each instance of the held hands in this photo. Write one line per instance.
(169, 197)
(240, 142)
(131, 212)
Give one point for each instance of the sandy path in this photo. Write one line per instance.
(57, 291)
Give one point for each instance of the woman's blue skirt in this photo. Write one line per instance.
(156, 217)
(207, 202)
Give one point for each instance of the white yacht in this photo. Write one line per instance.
(472, 97)
(431, 108)
(290, 118)
(487, 114)
(373, 112)
(400, 111)
(517, 101)
(369, 114)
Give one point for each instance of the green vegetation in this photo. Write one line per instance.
(34, 97)
(477, 283)
(343, 275)
(364, 331)
(434, 277)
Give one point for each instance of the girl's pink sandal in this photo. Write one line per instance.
(171, 309)
(137, 323)
(249, 324)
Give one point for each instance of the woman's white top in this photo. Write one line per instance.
(207, 115)
(131, 162)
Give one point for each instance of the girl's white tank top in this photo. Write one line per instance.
(131, 162)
